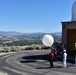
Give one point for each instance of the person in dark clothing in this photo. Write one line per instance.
(55, 54)
(75, 58)
(51, 59)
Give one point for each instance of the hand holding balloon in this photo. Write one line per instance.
(48, 40)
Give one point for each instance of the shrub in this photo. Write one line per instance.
(1, 73)
(29, 48)
(44, 47)
(37, 48)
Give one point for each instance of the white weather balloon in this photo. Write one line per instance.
(48, 40)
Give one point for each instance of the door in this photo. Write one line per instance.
(71, 39)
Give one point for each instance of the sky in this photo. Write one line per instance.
(30, 16)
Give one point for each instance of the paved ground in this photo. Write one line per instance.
(33, 63)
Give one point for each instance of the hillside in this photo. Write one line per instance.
(17, 38)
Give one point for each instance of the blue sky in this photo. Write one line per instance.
(34, 15)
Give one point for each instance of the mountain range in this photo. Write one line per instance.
(56, 35)
(14, 33)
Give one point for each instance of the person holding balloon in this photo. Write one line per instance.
(48, 41)
(51, 59)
